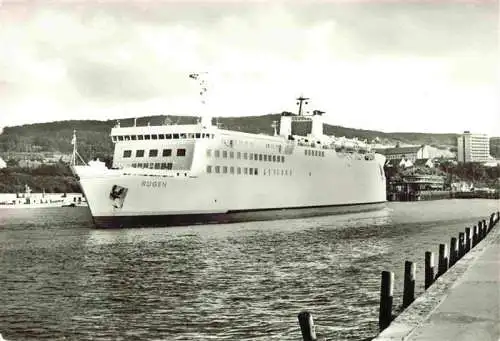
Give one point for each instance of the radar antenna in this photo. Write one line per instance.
(206, 120)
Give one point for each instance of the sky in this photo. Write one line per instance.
(422, 66)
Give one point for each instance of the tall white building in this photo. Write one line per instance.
(473, 147)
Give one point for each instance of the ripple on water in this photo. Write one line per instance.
(61, 279)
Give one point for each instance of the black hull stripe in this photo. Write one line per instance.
(232, 216)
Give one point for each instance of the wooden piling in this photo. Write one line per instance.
(429, 269)
(461, 245)
(468, 243)
(474, 236)
(409, 284)
(307, 326)
(386, 292)
(442, 260)
(480, 231)
(492, 222)
(485, 227)
(453, 251)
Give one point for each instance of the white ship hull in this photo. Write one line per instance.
(327, 185)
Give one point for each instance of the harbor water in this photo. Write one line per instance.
(60, 279)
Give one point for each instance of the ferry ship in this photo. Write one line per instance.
(178, 174)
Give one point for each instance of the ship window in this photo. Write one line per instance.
(231, 170)
(198, 135)
(245, 170)
(274, 158)
(154, 137)
(245, 155)
(127, 138)
(255, 172)
(169, 165)
(260, 157)
(238, 155)
(139, 153)
(217, 169)
(231, 155)
(168, 136)
(133, 137)
(282, 159)
(209, 169)
(134, 165)
(190, 136)
(286, 172)
(163, 165)
(224, 154)
(127, 153)
(147, 137)
(140, 137)
(217, 153)
(120, 138)
(238, 170)
(151, 166)
(251, 156)
(113, 138)
(139, 165)
(167, 152)
(176, 136)
(224, 169)
(181, 152)
(265, 157)
(157, 165)
(153, 152)
(209, 152)
(183, 136)
(322, 154)
(161, 136)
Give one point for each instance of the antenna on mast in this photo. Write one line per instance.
(206, 119)
(300, 100)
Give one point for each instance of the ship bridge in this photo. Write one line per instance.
(170, 147)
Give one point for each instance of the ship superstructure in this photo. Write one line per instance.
(199, 173)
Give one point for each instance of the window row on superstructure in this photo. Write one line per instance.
(153, 165)
(311, 152)
(154, 152)
(245, 156)
(247, 170)
(175, 136)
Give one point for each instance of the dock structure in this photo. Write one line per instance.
(463, 303)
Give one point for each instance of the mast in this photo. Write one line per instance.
(73, 142)
(205, 117)
(300, 100)
(75, 152)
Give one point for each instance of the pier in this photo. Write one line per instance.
(461, 303)
(461, 297)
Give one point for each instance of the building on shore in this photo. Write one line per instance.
(413, 153)
(473, 147)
